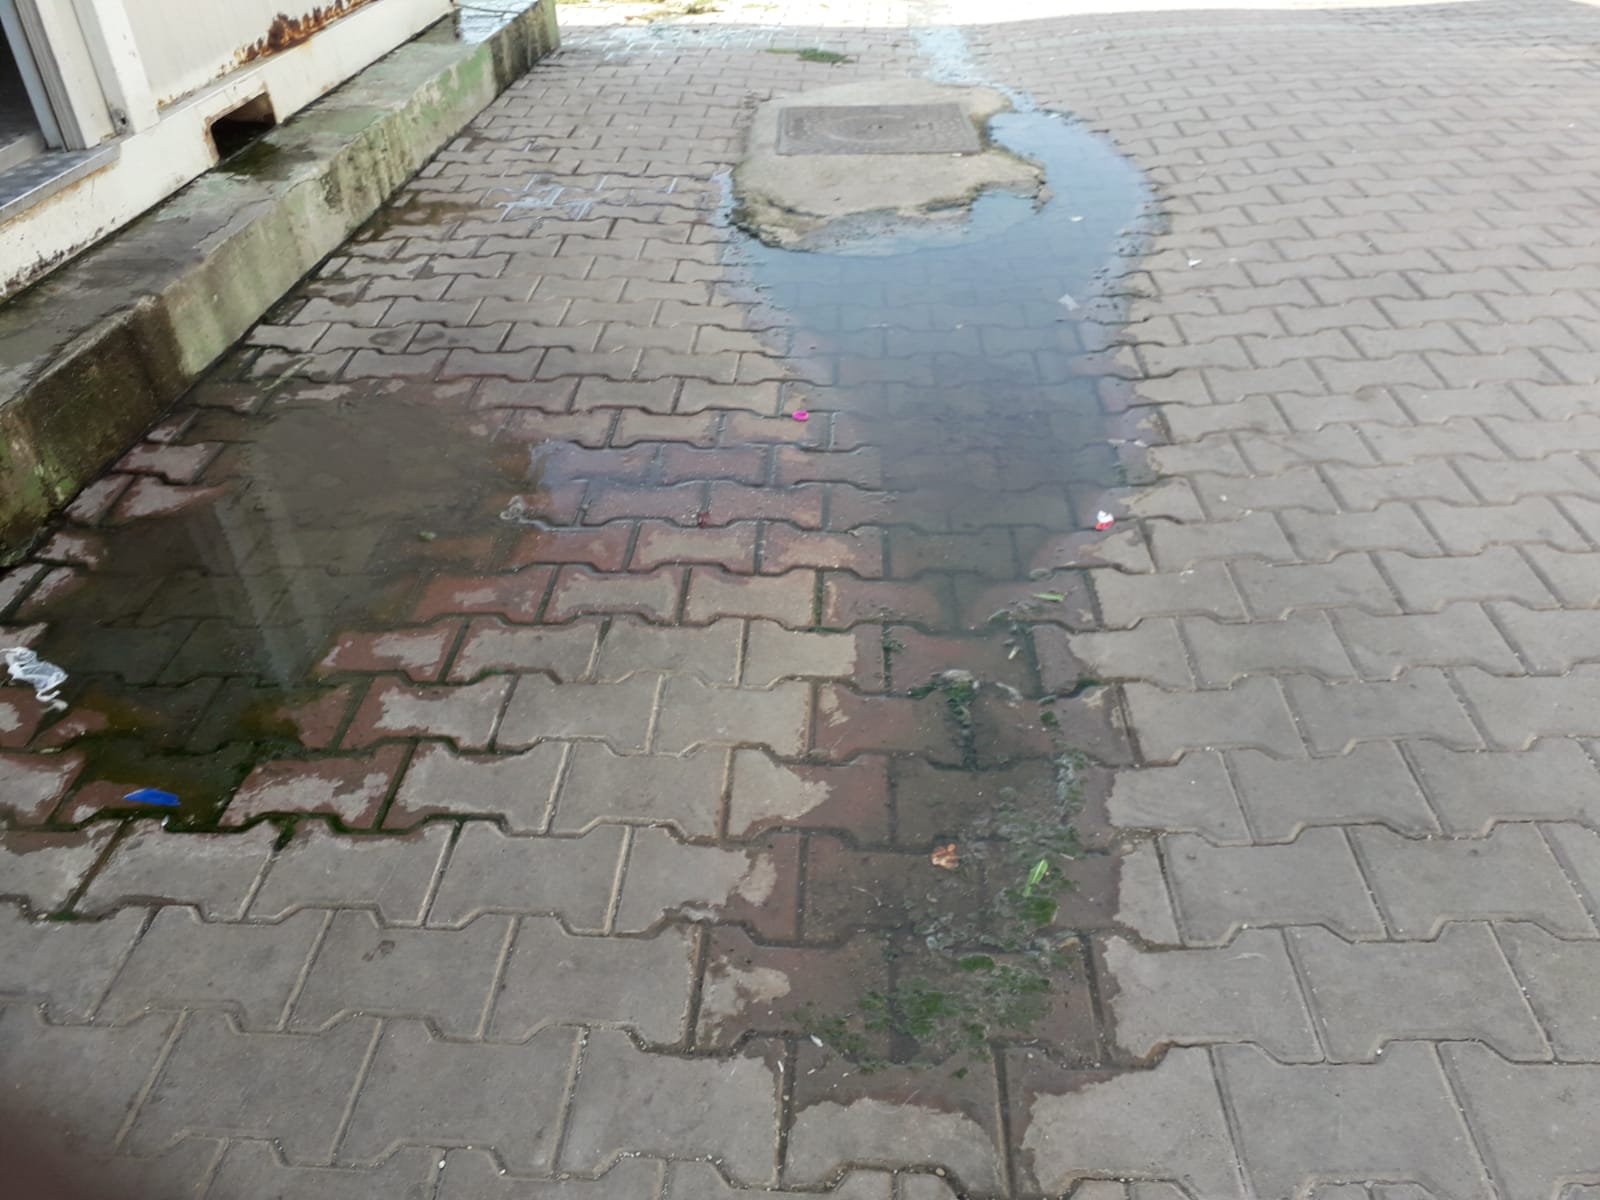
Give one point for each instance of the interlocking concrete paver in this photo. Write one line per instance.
(518, 788)
(1161, 1124)
(1418, 703)
(421, 1090)
(488, 871)
(1369, 783)
(1366, 995)
(1470, 790)
(1246, 991)
(1196, 795)
(253, 1168)
(82, 1082)
(551, 977)
(1313, 880)
(443, 976)
(630, 1100)
(44, 869)
(1511, 874)
(1394, 1120)
(317, 869)
(218, 873)
(66, 966)
(1523, 1114)
(1250, 714)
(1347, 378)
(844, 1117)
(219, 1082)
(1558, 978)
(181, 962)
(619, 713)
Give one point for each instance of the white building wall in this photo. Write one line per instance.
(128, 62)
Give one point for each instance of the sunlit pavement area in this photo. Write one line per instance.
(594, 782)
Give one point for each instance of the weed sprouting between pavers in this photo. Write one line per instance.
(962, 980)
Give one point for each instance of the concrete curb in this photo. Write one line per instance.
(94, 353)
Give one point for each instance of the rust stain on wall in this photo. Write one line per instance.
(286, 31)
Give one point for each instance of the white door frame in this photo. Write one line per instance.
(46, 91)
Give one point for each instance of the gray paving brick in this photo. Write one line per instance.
(1470, 790)
(1560, 980)
(1320, 537)
(1144, 900)
(1193, 796)
(1384, 647)
(1368, 994)
(423, 1091)
(642, 984)
(393, 874)
(1572, 576)
(1498, 573)
(1469, 530)
(1369, 783)
(1159, 1124)
(474, 1175)
(1252, 713)
(843, 1115)
(563, 651)
(1420, 703)
(1244, 992)
(1151, 651)
(630, 1100)
(668, 876)
(1577, 847)
(183, 962)
(567, 877)
(443, 976)
(773, 653)
(215, 872)
(1551, 642)
(65, 965)
(516, 787)
(617, 713)
(1508, 480)
(1394, 1120)
(1349, 581)
(1509, 875)
(1300, 642)
(43, 869)
(1127, 599)
(219, 1082)
(1515, 711)
(250, 1170)
(697, 714)
(1367, 488)
(1525, 1117)
(1313, 880)
(77, 1082)
(711, 651)
(1177, 547)
(683, 791)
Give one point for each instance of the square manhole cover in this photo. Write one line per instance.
(877, 129)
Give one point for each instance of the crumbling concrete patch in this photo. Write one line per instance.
(784, 197)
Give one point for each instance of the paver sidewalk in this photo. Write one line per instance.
(577, 725)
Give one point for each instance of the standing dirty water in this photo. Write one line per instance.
(715, 595)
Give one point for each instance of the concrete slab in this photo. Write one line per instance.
(788, 186)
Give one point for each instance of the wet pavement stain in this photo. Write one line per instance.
(961, 366)
(966, 348)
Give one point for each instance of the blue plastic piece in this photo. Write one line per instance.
(153, 796)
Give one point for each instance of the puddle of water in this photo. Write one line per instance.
(965, 352)
(966, 355)
(197, 627)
